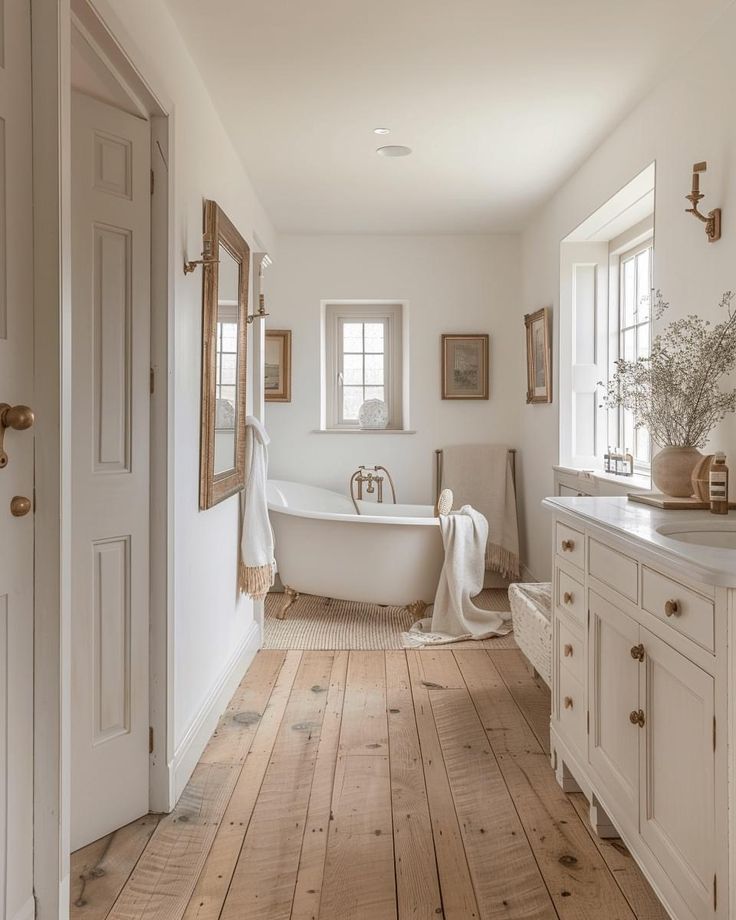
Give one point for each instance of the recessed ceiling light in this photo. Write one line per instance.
(393, 150)
(382, 130)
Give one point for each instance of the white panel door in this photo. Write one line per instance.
(16, 467)
(613, 745)
(678, 813)
(110, 479)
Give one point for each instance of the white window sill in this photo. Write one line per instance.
(639, 482)
(363, 431)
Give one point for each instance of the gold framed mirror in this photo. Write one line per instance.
(224, 347)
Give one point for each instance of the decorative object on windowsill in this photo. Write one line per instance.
(619, 462)
(700, 478)
(675, 394)
(538, 356)
(465, 366)
(373, 413)
(277, 366)
(712, 219)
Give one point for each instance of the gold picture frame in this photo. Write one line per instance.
(538, 356)
(277, 366)
(465, 366)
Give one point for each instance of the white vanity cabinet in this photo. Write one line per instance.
(641, 709)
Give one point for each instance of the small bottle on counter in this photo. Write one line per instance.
(718, 485)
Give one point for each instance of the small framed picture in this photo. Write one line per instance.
(465, 366)
(538, 356)
(277, 370)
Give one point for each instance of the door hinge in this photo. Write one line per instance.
(715, 892)
(714, 733)
(153, 181)
(152, 381)
(150, 739)
(587, 722)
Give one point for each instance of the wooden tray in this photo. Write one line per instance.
(668, 503)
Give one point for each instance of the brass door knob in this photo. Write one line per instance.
(636, 717)
(568, 546)
(567, 597)
(20, 505)
(637, 652)
(16, 417)
(568, 702)
(568, 651)
(671, 608)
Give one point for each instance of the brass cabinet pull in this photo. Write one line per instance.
(568, 651)
(636, 717)
(17, 417)
(567, 597)
(637, 652)
(671, 608)
(568, 702)
(568, 546)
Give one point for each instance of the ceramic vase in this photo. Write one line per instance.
(672, 470)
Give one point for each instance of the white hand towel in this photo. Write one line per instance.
(455, 616)
(257, 564)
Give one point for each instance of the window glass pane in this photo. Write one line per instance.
(374, 393)
(229, 333)
(643, 286)
(374, 369)
(352, 337)
(374, 337)
(352, 400)
(643, 340)
(628, 349)
(629, 293)
(642, 445)
(228, 393)
(228, 368)
(352, 369)
(628, 431)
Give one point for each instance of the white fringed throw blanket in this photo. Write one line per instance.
(455, 616)
(481, 475)
(257, 564)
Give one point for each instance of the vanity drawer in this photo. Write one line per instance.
(614, 569)
(571, 651)
(572, 717)
(681, 608)
(571, 596)
(570, 545)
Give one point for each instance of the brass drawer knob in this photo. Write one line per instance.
(568, 546)
(637, 652)
(568, 702)
(567, 597)
(20, 505)
(636, 717)
(672, 608)
(568, 651)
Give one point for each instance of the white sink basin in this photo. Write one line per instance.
(718, 534)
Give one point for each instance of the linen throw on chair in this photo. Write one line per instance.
(480, 475)
(257, 564)
(454, 616)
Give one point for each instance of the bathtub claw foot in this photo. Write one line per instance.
(416, 609)
(290, 596)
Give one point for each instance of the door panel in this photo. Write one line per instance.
(16, 478)
(613, 745)
(110, 425)
(677, 771)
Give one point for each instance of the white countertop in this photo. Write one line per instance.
(643, 523)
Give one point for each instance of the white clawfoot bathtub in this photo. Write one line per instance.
(387, 554)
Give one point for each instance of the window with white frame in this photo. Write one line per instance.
(632, 340)
(363, 360)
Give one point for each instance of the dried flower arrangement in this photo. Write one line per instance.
(675, 393)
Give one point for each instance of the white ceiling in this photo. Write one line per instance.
(499, 99)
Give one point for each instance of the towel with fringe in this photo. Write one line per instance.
(481, 475)
(257, 567)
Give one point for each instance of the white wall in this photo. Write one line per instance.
(211, 621)
(688, 117)
(452, 284)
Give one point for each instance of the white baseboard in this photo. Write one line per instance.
(199, 732)
(27, 911)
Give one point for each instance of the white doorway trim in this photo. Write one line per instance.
(52, 25)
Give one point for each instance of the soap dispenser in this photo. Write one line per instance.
(718, 485)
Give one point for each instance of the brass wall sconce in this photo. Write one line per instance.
(712, 220)
(191, 264)
(261, 314)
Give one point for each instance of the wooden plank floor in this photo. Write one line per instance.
(370, 785)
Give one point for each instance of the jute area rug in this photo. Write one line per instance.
(323, 623)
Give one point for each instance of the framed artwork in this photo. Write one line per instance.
(277, 365)
(538, 356)
(465, 366)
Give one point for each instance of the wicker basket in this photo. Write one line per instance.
(531, 606)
